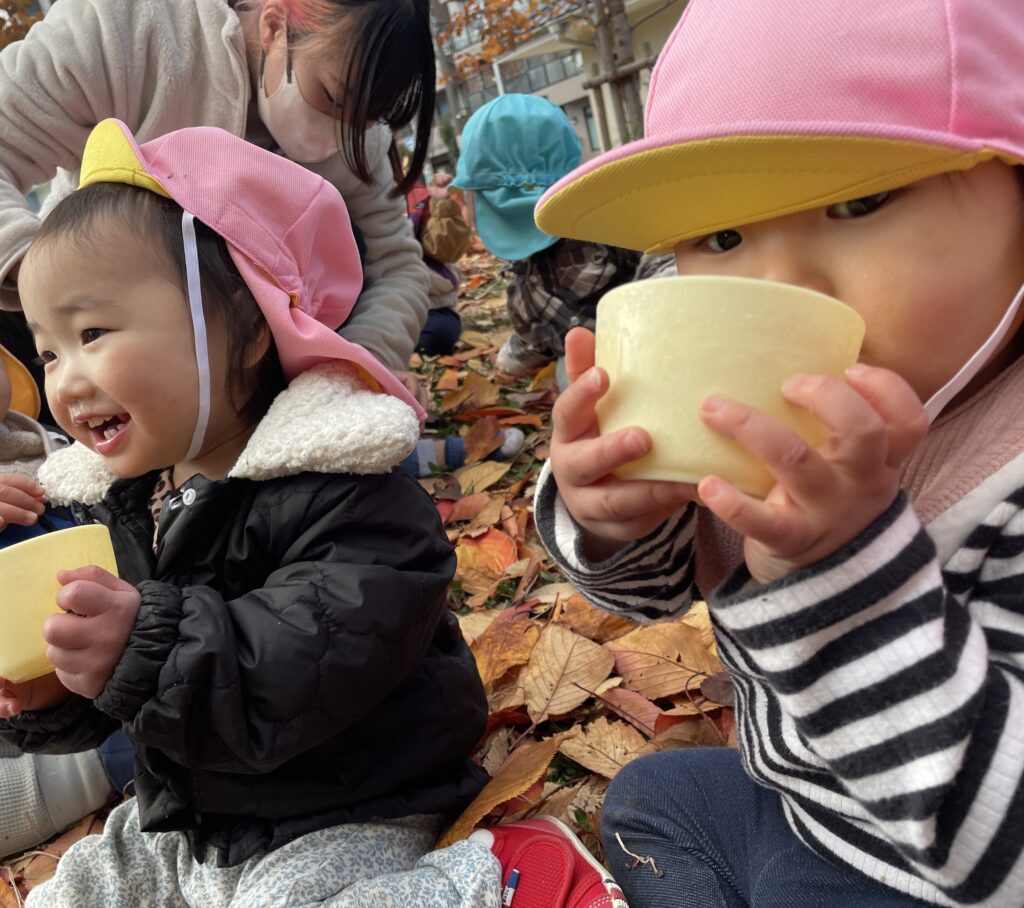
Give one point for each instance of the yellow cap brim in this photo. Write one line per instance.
(660, 194)
(24, 391)
(111, 156)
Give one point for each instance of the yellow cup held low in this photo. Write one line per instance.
(29, 587)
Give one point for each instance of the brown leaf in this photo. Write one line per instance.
(719, 688)
(635, 708)
(506, 643)
(604, 747)
(467, 508)
(476, 391)
(699, 617)
(545, 379)
(518, 773)
(507, 696)
(490, 515)
(471, 415)
(482, 438)
(531, 419)
(663, 659)
(696, 733)
(9, 897)
(577, 614)
(553, 592)
(480, 476)
(475, 623)
(563, 669)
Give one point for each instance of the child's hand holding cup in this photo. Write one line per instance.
(28, 579)
(669, 343)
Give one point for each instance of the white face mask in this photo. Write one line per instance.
(938, 401)
(305, 134)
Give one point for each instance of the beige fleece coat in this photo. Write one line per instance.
(161, 65)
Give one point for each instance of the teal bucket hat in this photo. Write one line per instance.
(513, 149)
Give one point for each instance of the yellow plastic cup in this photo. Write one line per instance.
(667, 343)
(28, 579)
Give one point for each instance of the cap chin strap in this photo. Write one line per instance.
(938, 401)
(195, 305)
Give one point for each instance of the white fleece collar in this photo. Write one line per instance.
(325, 421)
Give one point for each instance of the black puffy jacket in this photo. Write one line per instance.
(293, 664)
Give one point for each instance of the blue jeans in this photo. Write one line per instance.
(719, 840)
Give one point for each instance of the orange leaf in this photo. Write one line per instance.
(518, 773)
(577, 614)
(564, 669)
(492, 549)
(483, 438)
(546, 379)
(506, 643)
(449, 380)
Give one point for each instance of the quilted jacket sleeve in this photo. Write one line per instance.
(245, 684)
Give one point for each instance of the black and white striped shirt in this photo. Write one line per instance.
(880, 691)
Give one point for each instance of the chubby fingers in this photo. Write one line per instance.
(19, 502)
(23, 483)
(574, 414)
(626, 510)
(90, 590)
(896, 404)
(580, 345)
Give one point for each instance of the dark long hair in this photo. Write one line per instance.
(390, 76)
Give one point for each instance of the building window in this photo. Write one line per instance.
(480, 88)
(588, 118)
(537, 73)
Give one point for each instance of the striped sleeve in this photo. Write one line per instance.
(648, 579)
(906, 681)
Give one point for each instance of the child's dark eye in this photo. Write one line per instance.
(719, 242)
(44, 357)
(91, 334)
(858, 208)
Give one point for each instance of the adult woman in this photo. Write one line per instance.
(323, 80)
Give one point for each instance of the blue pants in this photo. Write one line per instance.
(440, 333)
(719, 840)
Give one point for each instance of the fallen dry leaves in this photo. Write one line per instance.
(574, 693)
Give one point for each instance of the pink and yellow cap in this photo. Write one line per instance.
(759, 108)
(287, 230)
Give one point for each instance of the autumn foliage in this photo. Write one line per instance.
(502, 25)
(16, 20)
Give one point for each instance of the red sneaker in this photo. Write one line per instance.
(544, 865)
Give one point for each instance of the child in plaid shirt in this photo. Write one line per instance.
(513, 148)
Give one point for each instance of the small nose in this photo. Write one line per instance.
(69, 383)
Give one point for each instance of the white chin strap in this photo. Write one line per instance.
(195, 304)
(938, 401)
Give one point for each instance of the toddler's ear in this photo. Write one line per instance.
(254, 355)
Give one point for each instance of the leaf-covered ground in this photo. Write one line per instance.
(574, 693)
